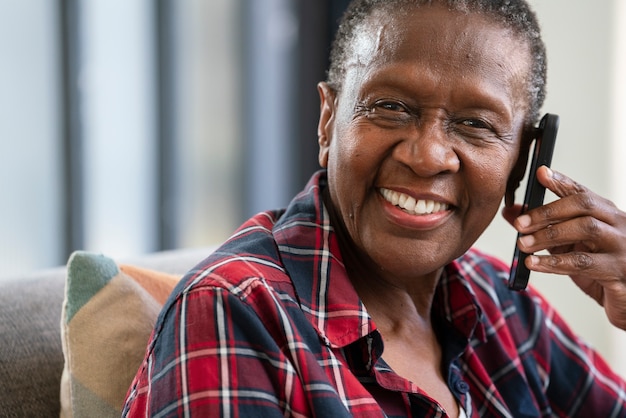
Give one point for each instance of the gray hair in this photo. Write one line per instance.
(513, 14)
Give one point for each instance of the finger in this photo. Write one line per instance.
(596, 274)
(585, 204)
(573, 264)
(581, 202)
(558, 183)
(588, 232)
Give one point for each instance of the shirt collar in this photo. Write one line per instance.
(308, 244)
(456, 302)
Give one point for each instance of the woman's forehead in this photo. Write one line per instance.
(434, 34)
(383, 32)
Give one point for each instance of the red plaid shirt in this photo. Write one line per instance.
(270, 326)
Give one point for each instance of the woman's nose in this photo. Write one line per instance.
(428, 150)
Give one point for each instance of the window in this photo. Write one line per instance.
(31, 182)
(136, 126)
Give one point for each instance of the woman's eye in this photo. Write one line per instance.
(476, 129)
(391, 106)
(475, 123)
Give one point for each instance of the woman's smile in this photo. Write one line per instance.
(414, 213)
(411, 205)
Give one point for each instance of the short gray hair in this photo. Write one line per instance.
(514, 14)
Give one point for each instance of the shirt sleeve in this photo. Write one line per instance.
(213, 356)
(579, 382)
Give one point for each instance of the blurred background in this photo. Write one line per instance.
(132, 126)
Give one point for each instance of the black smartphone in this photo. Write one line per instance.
(535, 192)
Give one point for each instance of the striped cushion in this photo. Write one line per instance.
(108, 314)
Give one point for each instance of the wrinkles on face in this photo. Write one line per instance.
(426, 112)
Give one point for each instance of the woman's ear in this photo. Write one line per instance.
(325, 125)
(517, 174)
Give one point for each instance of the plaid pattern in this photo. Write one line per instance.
(270, 325)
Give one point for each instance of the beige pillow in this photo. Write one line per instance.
(108, 314)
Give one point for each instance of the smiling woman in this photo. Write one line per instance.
(420, 90)
(363, 297)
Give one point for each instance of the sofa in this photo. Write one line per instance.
(31, 354)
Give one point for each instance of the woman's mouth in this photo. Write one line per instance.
(411, 205)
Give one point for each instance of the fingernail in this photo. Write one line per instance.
(550, 172)
(524, 221)
(527, 240)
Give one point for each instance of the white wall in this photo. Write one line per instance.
(579, 36)
(619, 145)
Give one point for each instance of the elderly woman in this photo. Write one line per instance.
(363, 297)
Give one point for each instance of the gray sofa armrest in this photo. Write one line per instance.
(31, 360)
(31, 357)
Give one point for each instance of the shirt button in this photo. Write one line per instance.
(462, 386)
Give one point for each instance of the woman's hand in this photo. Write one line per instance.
(586, 237)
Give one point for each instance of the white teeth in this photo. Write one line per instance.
(421, 206)
(409, 204)
(403, 199)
